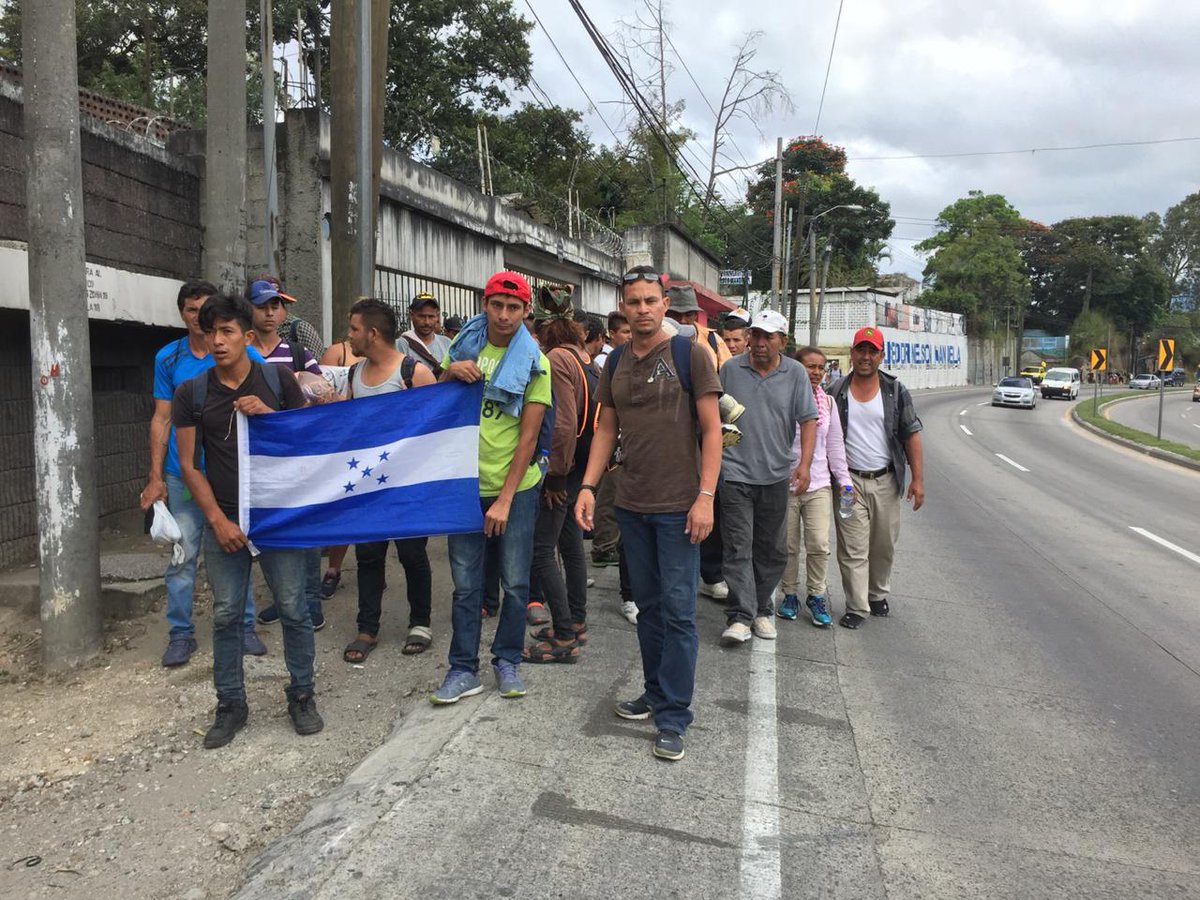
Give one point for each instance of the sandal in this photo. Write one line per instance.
(547, 634)
(550, 652)
(359, 649)
(419, 639)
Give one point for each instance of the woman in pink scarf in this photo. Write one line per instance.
(810, 513)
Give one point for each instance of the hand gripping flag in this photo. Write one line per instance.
(398, 465)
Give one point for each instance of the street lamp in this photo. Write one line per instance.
(814, 325)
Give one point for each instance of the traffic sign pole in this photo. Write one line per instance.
(1162, 392)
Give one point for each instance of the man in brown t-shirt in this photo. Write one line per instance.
(671, 441)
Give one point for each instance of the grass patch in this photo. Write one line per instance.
(1093, 414)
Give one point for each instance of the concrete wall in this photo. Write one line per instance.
(669, 250)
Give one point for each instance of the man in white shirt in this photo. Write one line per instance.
(883, 435)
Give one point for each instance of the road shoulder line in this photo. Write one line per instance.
(1164, 455)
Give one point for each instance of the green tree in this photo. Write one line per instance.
(815, 180)
(977, 267)
(1175, 244)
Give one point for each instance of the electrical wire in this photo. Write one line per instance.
(1180, 140)
(828, 66)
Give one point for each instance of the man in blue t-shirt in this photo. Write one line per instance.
(173, 365)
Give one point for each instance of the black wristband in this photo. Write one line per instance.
(588, 487)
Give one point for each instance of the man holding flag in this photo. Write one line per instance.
(206, 413)
(494, 347)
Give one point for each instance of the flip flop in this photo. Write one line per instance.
(362, 646)
(418, 641)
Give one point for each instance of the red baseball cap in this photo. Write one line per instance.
(868, 335)
(508, 283)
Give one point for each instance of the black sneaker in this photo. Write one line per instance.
(601, 560)
(305, 718)
(851, 620)
(634, 709)
(230, 719)
(668, 745)
(329, 584)
(879, 607)
(269, 615)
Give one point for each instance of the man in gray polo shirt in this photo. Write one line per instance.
(757, 471)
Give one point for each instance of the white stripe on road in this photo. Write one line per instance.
(760, 872)
(984, 403)
(1015, 465)
(966, 430)
(1165, 543)
(963, 413)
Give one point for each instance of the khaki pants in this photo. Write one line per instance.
(867, 542)
(808, 518)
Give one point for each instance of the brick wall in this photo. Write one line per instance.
(122, 381)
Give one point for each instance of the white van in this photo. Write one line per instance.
(1061, 383)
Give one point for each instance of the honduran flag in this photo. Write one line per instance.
(398, 465)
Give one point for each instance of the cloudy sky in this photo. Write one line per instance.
(918, 78)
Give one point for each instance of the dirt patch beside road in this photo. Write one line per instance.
(105, 790)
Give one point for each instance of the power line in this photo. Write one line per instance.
(1181, 140)
(828, 66)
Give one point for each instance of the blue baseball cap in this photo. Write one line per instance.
(262, 292)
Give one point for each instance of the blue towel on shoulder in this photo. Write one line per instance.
(521, 361)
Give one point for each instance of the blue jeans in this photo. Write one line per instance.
(663, 567)
(467, 568)
(181, 579)
(229, 576)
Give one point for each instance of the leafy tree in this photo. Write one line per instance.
(815, 180)
(977, 267)
(1175, 243)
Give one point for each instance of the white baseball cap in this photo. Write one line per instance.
(770, 321)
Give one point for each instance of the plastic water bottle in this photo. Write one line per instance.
(543, 463)
(846, 502)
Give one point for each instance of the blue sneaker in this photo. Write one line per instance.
(508, 682)
(816, 609)
(789, 608)
(178, 652)
(252, 644)
(457, 684)
(668, 745)
(317, 615)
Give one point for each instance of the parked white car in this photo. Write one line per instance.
(1145, 382)
(1061, 383)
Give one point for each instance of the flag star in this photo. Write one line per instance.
(366, 472)
(349, 486)
(381, 479)
(384, 455)
(353, 463)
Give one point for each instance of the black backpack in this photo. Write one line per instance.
(199, 386)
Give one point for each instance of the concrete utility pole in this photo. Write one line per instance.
(358, 56)
(777, 243)
(812, 283)
(271, 212)
(787, 262)
(225, 146)
(64, 465)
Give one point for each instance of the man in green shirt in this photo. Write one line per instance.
(495, 347)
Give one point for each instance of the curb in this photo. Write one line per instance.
(1164, 455)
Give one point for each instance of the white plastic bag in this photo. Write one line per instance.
(165, 530)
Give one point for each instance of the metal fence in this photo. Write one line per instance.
(398, 289)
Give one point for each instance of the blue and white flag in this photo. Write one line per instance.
(398, 465)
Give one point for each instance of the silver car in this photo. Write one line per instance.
(1145, 382)
(1015, 391)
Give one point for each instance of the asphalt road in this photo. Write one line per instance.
(1180, 421)
(1023, 726)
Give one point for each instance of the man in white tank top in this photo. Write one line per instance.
(381, 370)
(882, 439)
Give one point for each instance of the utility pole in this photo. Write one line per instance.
(812, 282)
(821, 295)
(271, 212)
(64, 440)
(787, 261)
(776, 247)
(225, 146)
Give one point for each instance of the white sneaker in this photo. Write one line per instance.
(630, 611)
(591, 582)
(737, 633)
(718, 591)
(764, 628)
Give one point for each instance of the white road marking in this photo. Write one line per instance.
(1165, 543)
(760, 871)
(984, 403)
(966, 430)
(963, 413)
(1015, 465)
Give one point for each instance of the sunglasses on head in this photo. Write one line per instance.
(652, 277)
